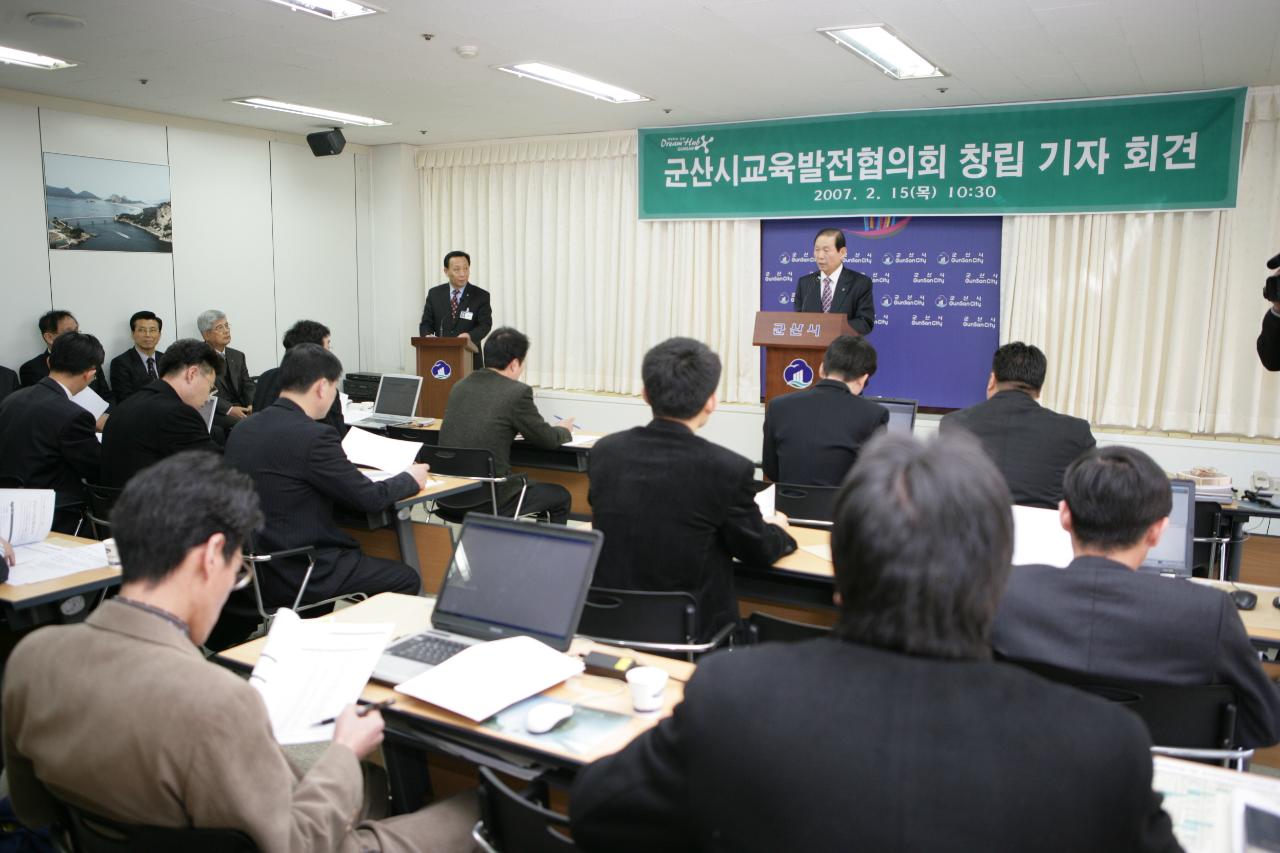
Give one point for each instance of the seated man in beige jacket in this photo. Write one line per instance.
(123, 716)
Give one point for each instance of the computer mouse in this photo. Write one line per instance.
(545, 717)
(1244, 599)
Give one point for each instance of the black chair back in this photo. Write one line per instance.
(806, 506)
(101, 499)
(463, 462)
(90, 833)
(639, 616)
(513, 822)
(1189, 716)
(764, 628)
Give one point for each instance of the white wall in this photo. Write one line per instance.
(398, 286)
(262, 230)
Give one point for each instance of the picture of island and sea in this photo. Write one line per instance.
(107, 205)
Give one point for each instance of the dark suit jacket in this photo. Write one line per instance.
(1269, 341)
(852, 298)
(32, 371)
(235, 388)
(676, 510)
(128, 373)
(268, 391)
(151, 425)
(486, 410)
(300, 471)
(812, 437)
(9, 382)
(48, 441)
(827, 746)
(437, 316)
(1031, 445)
(1097, 616)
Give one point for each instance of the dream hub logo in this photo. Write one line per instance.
(440, 370)
(798, 374)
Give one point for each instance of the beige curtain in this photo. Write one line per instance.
(552, 230)
(1149, 319)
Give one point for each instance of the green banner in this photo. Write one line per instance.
(1159, 152)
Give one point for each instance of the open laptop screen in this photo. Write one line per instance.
(902, 413)
(397, 395)
(510, 577)
(1172, 554)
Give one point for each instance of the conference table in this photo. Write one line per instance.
(415, 728)
(64, 599)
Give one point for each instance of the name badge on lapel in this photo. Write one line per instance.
(465, 314)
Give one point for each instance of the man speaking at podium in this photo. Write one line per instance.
(458, 308)
(833, 289)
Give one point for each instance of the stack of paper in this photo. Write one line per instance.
(26, 515)
(375, 451)
(45, 561)
(482, 680)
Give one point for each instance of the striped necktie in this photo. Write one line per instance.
(826, 294)
(457, 294)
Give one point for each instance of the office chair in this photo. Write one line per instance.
(764, 628)
(665, 623)
(98, 512)
(513, 822)
(90, 833)
(1196, 722)
(806, 506)
(254, 560)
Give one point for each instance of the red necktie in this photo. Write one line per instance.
(457, 294)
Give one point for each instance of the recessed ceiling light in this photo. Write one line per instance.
(879, 46)
(544, 73)
(312, 112)
(13, 56)
(55, 20)
(333, 10)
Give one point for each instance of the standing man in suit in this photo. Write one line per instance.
(812, 437)
(301, 471)
(1031, 445)
(235, 388)
(162, 417)
(489, 408)
(268, 391)
(458, 308)
(136, 366)
(45, 439)
(835, 289)
(1101, 616)
(135, 691)
(897, 733)
(677, 510)
(52, 324)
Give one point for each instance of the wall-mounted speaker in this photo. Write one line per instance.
(326, 142)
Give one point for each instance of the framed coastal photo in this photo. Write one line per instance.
(107, 205)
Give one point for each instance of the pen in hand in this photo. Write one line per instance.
(362, 711)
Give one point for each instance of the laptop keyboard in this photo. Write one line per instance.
(387, 419)
(425, 648)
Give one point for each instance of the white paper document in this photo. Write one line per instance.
(89, 400)
(482, 680)
(766, 499)
(26, 515)
(374, 451)
(207, 411)
(1207, 805)
(582, 439)
(1038, 538)
(45, 561)
(823, 550)
(311, 669)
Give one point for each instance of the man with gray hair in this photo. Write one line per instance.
(235, 388)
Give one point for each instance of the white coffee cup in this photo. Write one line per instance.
(113, 553)
(647, 686)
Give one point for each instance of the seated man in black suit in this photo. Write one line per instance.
(162, 417)
(1101, 616)
(676, 509)
(9, 382)
(812, 437)
(458, 308)
(834, 288)
(899, 732)
(235, 387)
(46, 440)
(487, 410)
(52, 324)
(1031, 445)
(136, 366)
(268, 385)
(301, 471)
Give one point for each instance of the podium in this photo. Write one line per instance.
(794, 344)
(442, 362)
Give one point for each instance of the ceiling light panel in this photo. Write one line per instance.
(310, 112)
(883, 49)
(13, 56)
(332, 10)
(574, 82)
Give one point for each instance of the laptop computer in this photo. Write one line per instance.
(902, 413)
(397, 400)
(1172, 554)
(506, 578)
